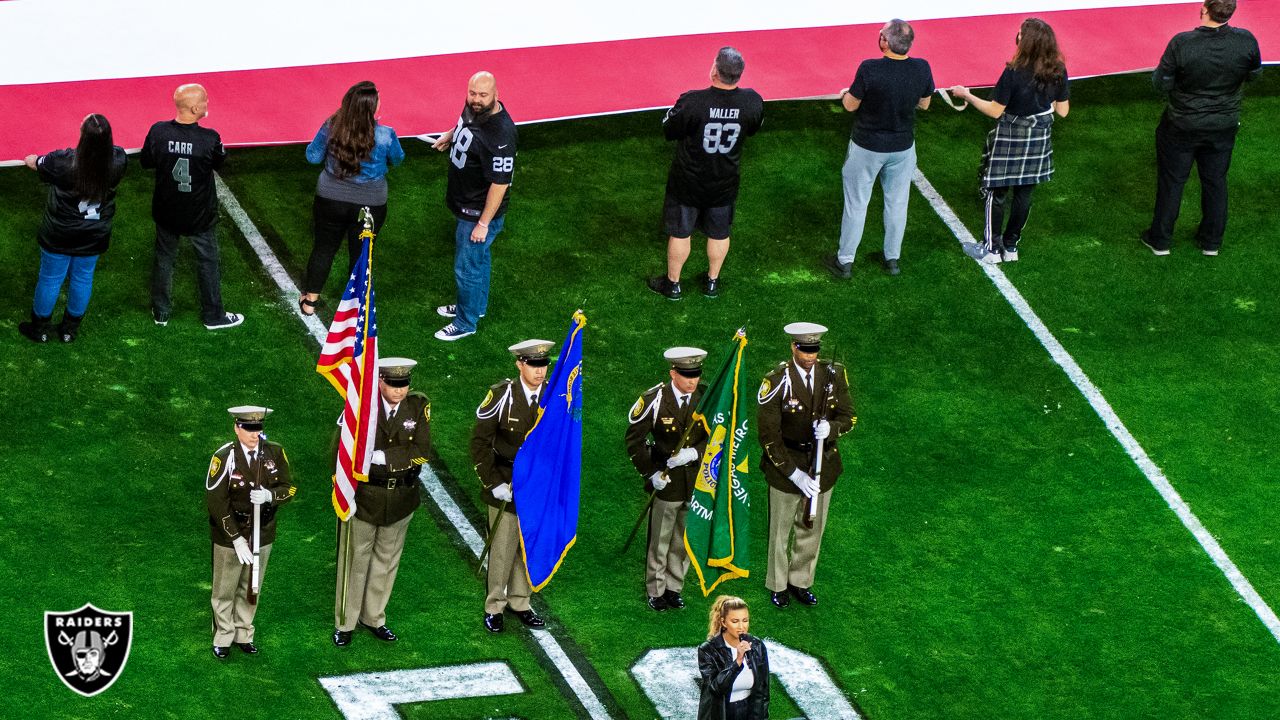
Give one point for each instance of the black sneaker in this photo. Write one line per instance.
(710, 286)
(228, 320)
(662, 285)
(842, 271)
(1145, 237)
(891, 267)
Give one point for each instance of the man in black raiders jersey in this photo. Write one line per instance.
(184, 156)
(702, 184)
(482, 156)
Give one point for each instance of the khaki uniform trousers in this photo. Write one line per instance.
(375, 559)
(786, 516)
(508, 579)
(232, 613)
(667, 562)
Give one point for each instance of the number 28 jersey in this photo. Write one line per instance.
(709, 126)
(184, 156)
(483, 153)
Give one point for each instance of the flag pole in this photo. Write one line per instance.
(488, 542)
(256, 576)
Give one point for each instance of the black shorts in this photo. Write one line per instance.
(681, 220)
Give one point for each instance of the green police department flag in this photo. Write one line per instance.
(716, 529)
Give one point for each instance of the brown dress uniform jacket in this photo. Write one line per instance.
(227, 487)
(393, 491)
(787, 412)
(503, 421)
(656, 426)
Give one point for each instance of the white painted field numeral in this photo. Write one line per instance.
(373, 696)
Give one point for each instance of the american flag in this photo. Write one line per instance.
(349, 359)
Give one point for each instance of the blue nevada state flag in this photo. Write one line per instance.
(548, 466)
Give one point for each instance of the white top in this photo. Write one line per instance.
(747, 678)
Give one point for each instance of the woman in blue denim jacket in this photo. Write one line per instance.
(356, 152)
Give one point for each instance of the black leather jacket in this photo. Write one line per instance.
(718, 671)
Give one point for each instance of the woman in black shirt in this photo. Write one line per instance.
(77, 225)
(1019, 151)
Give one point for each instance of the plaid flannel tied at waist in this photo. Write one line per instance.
(1019, 151)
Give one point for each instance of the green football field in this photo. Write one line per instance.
(994, 550)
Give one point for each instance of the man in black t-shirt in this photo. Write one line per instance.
(1202, 71)
(185, 156)
(482, 156)
(702, 185)
(885, 93)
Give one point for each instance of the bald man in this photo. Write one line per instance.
(482, 156)
(184, 156)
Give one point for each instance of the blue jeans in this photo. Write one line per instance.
(861, 167)
(54, 269)
(471, 265)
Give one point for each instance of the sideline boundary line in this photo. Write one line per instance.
(545, 639)
(1108, 416)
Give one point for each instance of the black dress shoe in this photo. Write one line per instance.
(658, 603)
(530, 618)
(779, 599)
(673, 599)
(342, 638)
(248, 648)
(493, 623)
(220, 652)
(803, 596)
(382, 632)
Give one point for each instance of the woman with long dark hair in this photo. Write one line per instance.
(356, 151)
(1019, 151)
(734, 666)
(76, 228)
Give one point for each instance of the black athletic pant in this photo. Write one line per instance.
(335, 220)
(1018, 198)
(208, 274)
(1176, 150)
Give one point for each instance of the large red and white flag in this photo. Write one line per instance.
(276, 70)
(349, 360)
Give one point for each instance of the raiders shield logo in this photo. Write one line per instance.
(88, 647)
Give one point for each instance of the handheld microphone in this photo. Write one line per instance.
(746, 638)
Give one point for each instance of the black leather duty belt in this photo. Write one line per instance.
(798, 446)
(391, 483)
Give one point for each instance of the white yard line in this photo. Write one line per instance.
(1100, 405)
(470, 535)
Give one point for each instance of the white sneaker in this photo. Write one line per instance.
(991, 258)
(228, 320)
(451, 332)
(1011, 254)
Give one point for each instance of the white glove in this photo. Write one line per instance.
(805, 482)
(258, 496)
(242, 550)
(658, 481)
(821, 429)
(379, 458)
(502, 492)
(684, 457)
